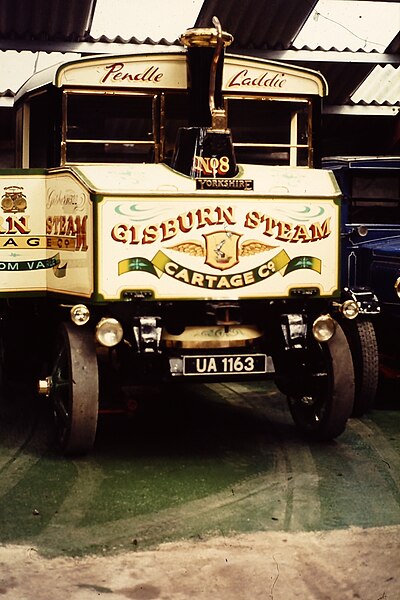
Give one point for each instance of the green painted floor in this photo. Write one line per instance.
(217, 459)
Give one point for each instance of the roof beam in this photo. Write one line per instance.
(127, 48)
(81, 47)
(344, 56)
(361, 111)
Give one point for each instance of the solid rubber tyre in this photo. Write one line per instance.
(75, 390)
(323, 401)
(364, 348)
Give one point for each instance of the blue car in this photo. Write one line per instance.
(371, 264)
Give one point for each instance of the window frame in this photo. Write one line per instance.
(293, 145)
(155, 116)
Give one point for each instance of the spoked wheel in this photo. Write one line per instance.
(364, 348)
(75, 390)
(325, 396)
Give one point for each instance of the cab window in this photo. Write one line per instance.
(271, 132)
(109, 128)
(375, 197)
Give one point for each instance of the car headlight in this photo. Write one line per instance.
(109, 332)
(80, 314)
(350, 309)
(323, 328)
(397, 287)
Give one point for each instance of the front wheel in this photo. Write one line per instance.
(323, 399)
(75, 390)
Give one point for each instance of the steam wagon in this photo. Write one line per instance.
(168, 221)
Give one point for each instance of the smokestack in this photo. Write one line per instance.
(205, 149)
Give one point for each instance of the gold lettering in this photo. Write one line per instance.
(169, 229)
(118, 233)
(150, 234)
(300, 234)
(319, 231)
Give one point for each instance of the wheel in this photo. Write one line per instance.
(361, 336)
(325, 397)
(74, 390)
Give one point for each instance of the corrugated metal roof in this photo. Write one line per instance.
(258, 26)
(382, 87)
(343, 79)
(45, 19)
(265, 28)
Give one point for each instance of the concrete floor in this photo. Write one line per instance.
(216, 460)
(212, 495)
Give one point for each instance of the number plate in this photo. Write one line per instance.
(225, 364)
